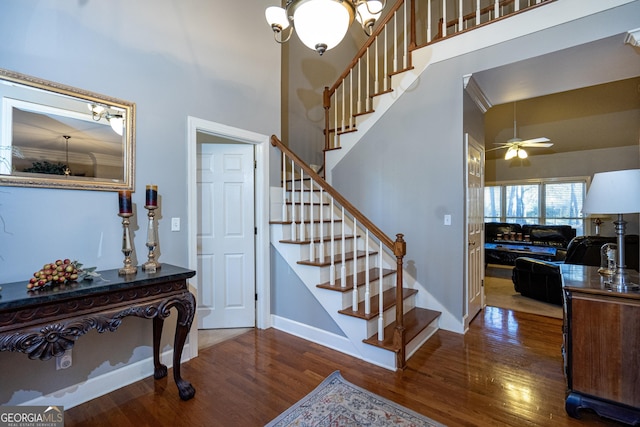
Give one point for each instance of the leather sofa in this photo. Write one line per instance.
(541, 280)
(555, 236)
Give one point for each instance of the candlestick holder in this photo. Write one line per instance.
(152, 241)
(128, 268)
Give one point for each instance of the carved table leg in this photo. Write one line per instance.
(159, 370)
(186, 312)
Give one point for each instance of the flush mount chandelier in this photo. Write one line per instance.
(322, 24)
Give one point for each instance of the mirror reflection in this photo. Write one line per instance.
(58, 136)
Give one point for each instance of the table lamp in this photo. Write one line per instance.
(616, 193)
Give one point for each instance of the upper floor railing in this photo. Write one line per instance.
(406, 26)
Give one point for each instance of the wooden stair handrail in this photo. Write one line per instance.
(398, 249)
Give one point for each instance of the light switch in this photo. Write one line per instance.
(447, 219)
(175, 224)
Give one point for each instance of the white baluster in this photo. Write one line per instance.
(406, 37)
(444, 18)
(395, 44)
(376, 85)
(496, 9)
(343, 269)
(332, 268)
(359, 85)
(367, 285)
(352, 122)
(321, 256)
(303, 234)
(386, 59)
(294, 229)
(368, 91)
(354, 271)
(312, 243)
(477, 12)
(380, 302)
(284, 188)
(429, 21)
(343, 107)
(460, 15)
(335, 126)
(517, 5)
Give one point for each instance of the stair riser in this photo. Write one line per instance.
(349, 268)
(306, 196)
(305, 250)
(390, 315)
(306, 210)
(319, 229)
(387, 283)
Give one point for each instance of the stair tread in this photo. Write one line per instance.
(415, 321)
(388, 301)
(327, 239)
(374, 273)
(336, 259)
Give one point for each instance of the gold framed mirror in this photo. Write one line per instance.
(58, 136)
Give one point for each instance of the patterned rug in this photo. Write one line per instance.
(338, 403)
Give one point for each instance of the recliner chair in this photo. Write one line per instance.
(541, 280)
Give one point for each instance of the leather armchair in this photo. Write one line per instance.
(541, 279)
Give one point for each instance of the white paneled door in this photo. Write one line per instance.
(226, 236)
(475, 224)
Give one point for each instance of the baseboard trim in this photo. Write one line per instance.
(92, 388)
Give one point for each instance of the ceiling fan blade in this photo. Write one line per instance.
(502, 146)
(536, 142)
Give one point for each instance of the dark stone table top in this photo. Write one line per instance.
(15, 295)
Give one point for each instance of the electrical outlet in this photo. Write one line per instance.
(175, 224)
(65, 361)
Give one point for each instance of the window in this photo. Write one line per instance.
(552, 202)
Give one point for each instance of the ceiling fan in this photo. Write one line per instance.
(516, 146)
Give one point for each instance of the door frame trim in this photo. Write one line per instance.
(261, 185)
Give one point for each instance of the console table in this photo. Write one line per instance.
(45, 323)
(601, 343)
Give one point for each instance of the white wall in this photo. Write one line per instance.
(174, 60)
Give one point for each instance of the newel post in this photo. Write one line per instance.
(399, 250)
(326, 103)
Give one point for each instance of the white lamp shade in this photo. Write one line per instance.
(616, 192)
(321, 22)
(368, 11)
(277, 16)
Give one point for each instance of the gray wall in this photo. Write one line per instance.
(174, 60)
(408, 170)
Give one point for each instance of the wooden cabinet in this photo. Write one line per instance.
(601, 346)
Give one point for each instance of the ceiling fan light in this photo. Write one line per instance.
(322, 24)
(511, 153)
(522, 154)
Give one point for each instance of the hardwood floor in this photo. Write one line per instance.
(506, 371)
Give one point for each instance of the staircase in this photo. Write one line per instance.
(351, 268)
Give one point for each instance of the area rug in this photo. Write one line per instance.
(338, 403)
